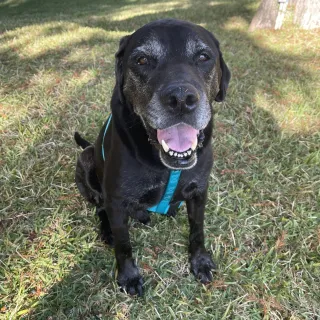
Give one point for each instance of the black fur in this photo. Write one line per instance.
(134, 176)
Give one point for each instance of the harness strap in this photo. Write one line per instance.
(104, 134)
(164, 205)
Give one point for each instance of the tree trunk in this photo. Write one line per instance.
(293, 2)
(307, 14)
(266, 16)
(281, 13)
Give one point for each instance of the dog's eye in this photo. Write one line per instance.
(142, 61)
(203, 57)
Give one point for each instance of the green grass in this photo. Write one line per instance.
(263, 213)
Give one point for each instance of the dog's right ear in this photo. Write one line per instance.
(119, 66)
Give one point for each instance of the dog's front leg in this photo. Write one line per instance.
(129, 277)
(200, 259)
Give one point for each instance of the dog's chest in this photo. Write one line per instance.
(144, 188)
(147, 189)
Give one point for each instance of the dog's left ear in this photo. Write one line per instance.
(225, 73)
(225, 78)
(119, 66)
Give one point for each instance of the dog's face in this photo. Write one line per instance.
(170, 72)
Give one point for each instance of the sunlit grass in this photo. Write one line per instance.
(12, 3)
(152, 8)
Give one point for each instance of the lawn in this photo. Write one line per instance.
(263, 214)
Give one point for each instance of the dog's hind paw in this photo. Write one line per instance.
(202, 266)
(173, 210)
(142, 216)
(107, 238)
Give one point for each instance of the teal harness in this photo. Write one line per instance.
(164, 205)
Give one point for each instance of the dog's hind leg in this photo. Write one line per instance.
(105, 229)
(86, 178)
(89, 186)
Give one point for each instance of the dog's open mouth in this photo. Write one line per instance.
(178, 146)
(179, 141)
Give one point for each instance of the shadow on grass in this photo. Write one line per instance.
(79, 295)
(249, 137)
(276, 66)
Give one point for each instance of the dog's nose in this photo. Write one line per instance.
(183, 98)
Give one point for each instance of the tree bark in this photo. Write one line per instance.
(307, 14)
(293, 2)
(266, 16)
(281, 13)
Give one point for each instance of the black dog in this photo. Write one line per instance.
(167, 75)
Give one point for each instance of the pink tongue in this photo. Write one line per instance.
(179, 137)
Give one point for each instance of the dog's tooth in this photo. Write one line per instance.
(175, 154)
(180, 155)
(194, 144)
(164, 146)
(171, 153)
(189, 152)
(185, 154)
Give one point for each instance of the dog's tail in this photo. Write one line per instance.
(80, 141)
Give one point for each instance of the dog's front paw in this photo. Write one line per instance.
(130, 280)
(202, 266)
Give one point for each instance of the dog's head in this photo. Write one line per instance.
(169, 72)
